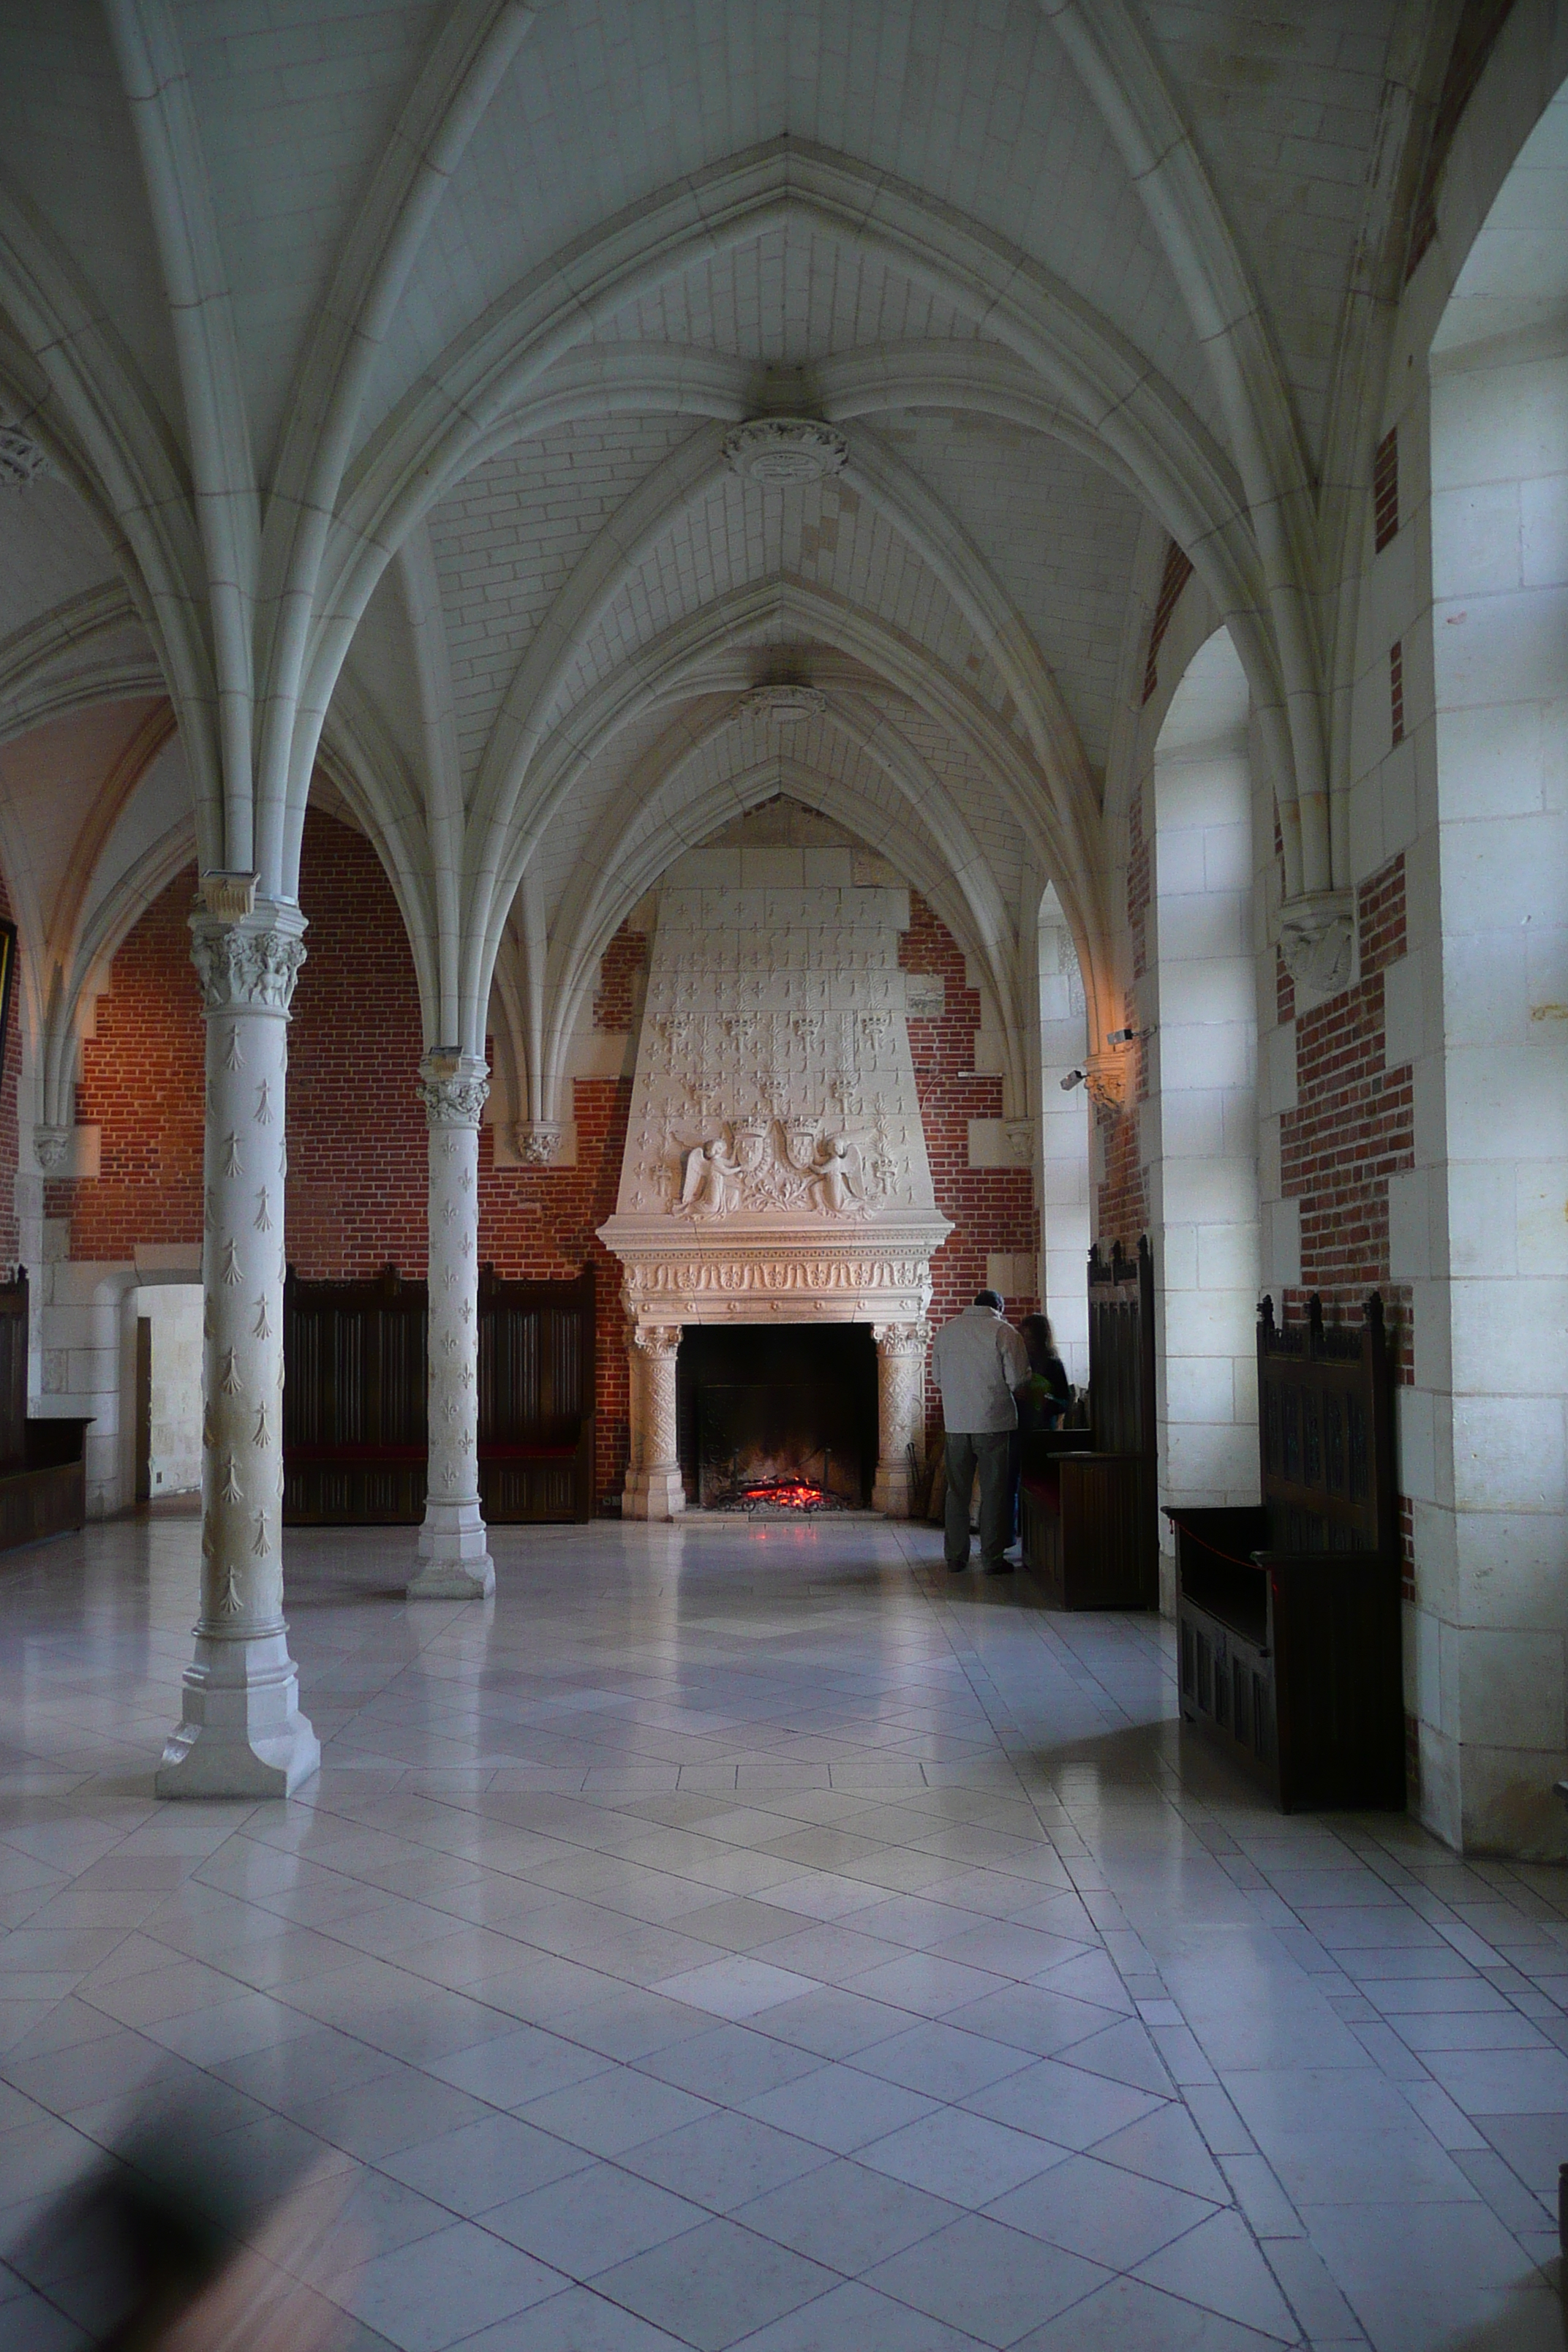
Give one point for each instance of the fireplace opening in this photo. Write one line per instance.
(778, 1417)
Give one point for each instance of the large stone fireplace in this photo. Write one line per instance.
(775, 1167)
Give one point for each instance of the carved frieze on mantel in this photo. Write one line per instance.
(1317, 943)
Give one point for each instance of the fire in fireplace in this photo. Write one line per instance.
(778, 1416)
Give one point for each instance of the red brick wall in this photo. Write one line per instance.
(616, 996)
(1353, 1128)
(992, 1209)
(142, 1079)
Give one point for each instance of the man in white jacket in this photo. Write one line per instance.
(978, 1361)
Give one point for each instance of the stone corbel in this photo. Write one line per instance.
(1105, 1076)
(1317, 943)
(537, 1142)
(50, 1145)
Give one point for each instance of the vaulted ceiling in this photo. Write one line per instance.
(384, 357)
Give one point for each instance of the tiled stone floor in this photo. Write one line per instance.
(757, 1937)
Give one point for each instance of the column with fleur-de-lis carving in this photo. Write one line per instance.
(242, 1734)
(454, 1546)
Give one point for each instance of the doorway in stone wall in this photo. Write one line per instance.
(778, 1416)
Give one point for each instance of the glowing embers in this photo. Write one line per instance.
(778, 1419)
(791, 1495)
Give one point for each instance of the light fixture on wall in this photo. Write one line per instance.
(1127, 1037)
(1073, 1078)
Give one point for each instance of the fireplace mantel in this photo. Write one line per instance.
(775, 1167)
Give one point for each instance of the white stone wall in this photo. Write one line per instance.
(1066, 1209)
(1199, 1124)
(1480, 1228)
(175, 1312)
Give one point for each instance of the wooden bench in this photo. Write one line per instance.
(355, 1447)
(1288, 1614)
(1087, 1496)
(43, 1472)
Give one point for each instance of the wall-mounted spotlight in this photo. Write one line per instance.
(1073, 1078)
(1127, 1037)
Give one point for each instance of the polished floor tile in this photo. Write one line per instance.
(749, 1938)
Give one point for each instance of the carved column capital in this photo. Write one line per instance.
(50, 1145)
(248, 960)
(454, 1088)
(1317, 941)
(656, 1338)
(537, 1141)
(1105, 1076)
(902, 1339)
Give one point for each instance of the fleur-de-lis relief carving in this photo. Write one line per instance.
(449, 1278)
(465, 1312)
(233, 1059)
(454, 1410)
(229, 1489)
(263, 1220)
(262, 1433)
(449, 1212)
(264, 1103)
(262, 1327)
(466, 1245)
(233, 1272)
(258, 1537)
(228, 1378)
(231, 1603)
(231, 1155)
(450, 1343)
(465, 1180)
(209, 1435)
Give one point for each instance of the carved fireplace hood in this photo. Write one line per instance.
(776, 1165)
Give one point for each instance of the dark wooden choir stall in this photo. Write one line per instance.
(1087, 1496)
(1288, 1614)
(43, 1475)
(354, 1432)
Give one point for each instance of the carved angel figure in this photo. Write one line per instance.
(712, 1180)
(836, 1185)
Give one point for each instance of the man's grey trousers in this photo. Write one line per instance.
(966, 1449)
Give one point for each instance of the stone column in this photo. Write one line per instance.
(242, 1734)
(654, 1488)
(901, 1412)
(454, 1552)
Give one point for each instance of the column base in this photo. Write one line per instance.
(656, 1494)
(454, 1564)
(243, 1735)
(892, 1492)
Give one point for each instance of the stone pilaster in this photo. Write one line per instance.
(901, 1412)
(454, 1550)
(242, 1734)
(654, 1488)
